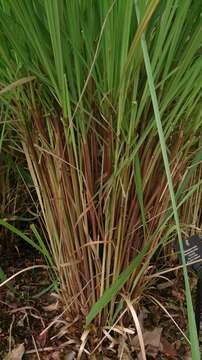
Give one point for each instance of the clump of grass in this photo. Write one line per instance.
(88, 129)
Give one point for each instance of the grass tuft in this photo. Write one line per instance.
(105, 96)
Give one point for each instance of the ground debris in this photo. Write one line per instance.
(70, 356)
(16, 354)
(152, 342)
(168, 349)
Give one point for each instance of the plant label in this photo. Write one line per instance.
(193, 252)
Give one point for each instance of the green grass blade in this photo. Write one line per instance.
(195, 162)
(43, 247)
(139, 190)
(191, 318)
(113, 290)
(9, 286)
(20, 234)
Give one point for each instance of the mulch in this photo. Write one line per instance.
(25, 314)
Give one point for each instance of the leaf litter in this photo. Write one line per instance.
(16, 354)
(161, 339)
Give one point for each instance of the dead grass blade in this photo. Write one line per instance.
(137, 325)
(16, 84)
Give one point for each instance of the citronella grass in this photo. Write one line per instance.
(105, 112)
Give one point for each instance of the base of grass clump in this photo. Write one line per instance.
(24, 319)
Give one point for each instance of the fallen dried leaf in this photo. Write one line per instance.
(152, 342)
(167, 349)
(52, 307)
(41, 338)
(178, 294)
(56, 355)
(153, 337)
(70, 356)
(178, 344)
(16, 354)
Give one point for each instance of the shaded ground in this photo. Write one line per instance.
(24, 315)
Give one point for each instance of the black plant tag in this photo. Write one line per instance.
(193, 252)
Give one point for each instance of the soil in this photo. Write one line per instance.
(27, 312)
(22, 314)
